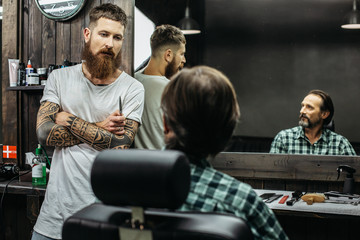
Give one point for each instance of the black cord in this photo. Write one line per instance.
(3, 195)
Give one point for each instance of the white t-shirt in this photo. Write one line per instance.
(151, 133)
(69, 188)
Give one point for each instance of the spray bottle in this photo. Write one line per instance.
(29, 69)
(39, 168)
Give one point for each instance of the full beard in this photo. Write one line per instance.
(172, 69)
(102, 64)
(308, 123)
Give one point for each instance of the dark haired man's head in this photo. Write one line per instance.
(103, 40)
(316, 108)
(200, 111)
(169, 40)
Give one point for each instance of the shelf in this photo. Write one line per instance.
(26, 88)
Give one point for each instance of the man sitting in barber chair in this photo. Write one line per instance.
(200, 113)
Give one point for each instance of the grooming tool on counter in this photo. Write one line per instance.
(354, 202)
(266, 196)
(343, 198)
(310, 198)
(339, 194)
(295, 196)
(283, 199)
(273, 198)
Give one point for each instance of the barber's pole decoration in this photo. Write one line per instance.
(9, 151)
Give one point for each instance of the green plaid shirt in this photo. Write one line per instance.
(214, 191)
(294, 141)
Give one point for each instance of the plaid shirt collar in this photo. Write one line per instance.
(324, 134)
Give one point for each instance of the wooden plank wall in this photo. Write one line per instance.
(311, 173)
(30, 35)
(9, 50)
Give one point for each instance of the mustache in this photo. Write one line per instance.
(107, 51)
(304, 116)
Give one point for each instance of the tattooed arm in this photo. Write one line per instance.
(95, 136)
(49, 133)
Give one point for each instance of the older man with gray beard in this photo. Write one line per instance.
(311, 136)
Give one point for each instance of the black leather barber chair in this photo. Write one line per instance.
(140, 190)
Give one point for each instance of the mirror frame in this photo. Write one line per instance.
(66, 16)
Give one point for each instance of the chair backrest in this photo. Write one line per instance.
(139, 190)
(331, 125)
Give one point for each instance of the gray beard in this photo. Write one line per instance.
(304, 124)
(308, 124)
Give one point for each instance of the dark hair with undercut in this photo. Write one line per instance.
(109, 11)
(166, 36)
(200, 106)
(327, 104)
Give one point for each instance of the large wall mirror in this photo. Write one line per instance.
(275, 52)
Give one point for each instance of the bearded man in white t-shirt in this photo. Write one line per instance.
(80, 115)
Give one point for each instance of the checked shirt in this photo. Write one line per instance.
(294, 141)
(213, 191)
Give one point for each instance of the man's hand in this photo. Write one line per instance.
(114, 123)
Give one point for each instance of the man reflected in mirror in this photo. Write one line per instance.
(312, 135)
(167, 58)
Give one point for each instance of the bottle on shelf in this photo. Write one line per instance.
(39, 168)
(21, 81)
(42, 75)
(29, 69)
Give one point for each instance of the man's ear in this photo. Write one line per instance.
(87, 34)
(324, 115)
(168, 55)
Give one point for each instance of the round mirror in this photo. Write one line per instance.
(60, 10)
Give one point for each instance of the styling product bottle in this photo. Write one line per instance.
(21, 78)
(39, 168)
(42, 75)
(29, 69)
(33, 79)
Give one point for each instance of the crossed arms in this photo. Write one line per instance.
(61, 129)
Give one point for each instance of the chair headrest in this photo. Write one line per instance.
(146, 178)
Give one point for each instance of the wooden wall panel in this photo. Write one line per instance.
(63, 42)
(48, 42)
(34, 35)
(9, 50)
(77, 39)
(310, 173)
(24, 22)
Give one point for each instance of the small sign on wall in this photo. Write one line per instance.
(9, 151)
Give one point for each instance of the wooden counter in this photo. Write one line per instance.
(21, 206)
(307, 173)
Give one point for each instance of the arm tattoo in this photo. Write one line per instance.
(99, 138)
(49, 133)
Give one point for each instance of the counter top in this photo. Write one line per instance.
(301, 208)
(18, 187)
